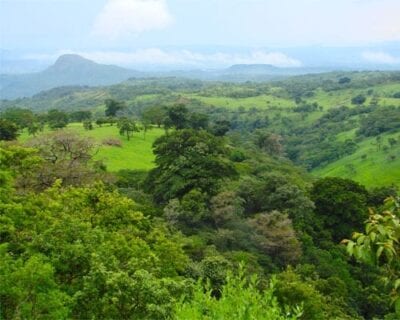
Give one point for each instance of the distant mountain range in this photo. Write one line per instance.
(74, 70)
(68, 70)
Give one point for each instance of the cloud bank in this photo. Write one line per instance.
(180, 58)
(121, 18)
(380, 57)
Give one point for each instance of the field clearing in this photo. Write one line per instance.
(134, 154)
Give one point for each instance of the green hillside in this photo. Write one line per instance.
(369, 165)
(133, 154)
(314, 114)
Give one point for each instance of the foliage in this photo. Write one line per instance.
(358, 100)
(57, 119)
(88, 125)
(379, 245)
(113, 107)
(340, 204)
(379, 121)
(86, 253)
(8, 130)
(274, 234)
(66, 156)
(186, 160)
(239, 299)
(127, 127)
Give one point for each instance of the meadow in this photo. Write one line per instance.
(133, 154)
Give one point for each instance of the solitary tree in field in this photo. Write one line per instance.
(127, 127)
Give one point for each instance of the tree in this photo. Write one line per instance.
(86, 253)
(198, 121)
(127, 127)
(87, 125)
(113, 106)
(221, 127)
(269, 142)
(80, 116)
(66, 156)
(8, 130)
(341, 204)
(379, 245)
(178, 116)
(21, 117)
(35, 127)
(358, 100)
(226, 207)
(239, 299)
(275, 236)
(344, 80)
(155, 115)
(186, 160)
(57, 119)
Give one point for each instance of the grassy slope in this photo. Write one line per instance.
(377, 169)
(134, 154)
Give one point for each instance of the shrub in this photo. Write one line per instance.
(113, 142)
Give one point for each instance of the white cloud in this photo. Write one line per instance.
(121, 18)
(180, 58)
(380, 57)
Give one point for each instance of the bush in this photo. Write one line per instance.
(113, 142)
(360, 99)
(240, 299)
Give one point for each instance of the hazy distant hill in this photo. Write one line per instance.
(68, 70)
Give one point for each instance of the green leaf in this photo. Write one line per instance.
(397, 306)
(350, 247)
(379, 252)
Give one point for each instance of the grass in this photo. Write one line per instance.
(262, 101)
(134, 154)
(368, 165)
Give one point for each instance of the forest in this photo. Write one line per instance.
(169, 198)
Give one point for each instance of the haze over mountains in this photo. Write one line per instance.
(75, 70)
(67, 70)
(25, 75)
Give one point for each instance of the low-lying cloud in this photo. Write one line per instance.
(121, 18)
(182, 58)
(380, 57)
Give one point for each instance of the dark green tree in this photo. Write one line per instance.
(341, 205)
(8, 130)
(57, 119)
(178, 116)
(358, 100)
(113, 106)
(186, 160)
(127, 127)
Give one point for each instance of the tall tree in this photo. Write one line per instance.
(186, 160)
(57, 119)
(127, 127)
(113, 106)
(8, 130)
(341, 204)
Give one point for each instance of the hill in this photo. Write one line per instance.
(68, 70)
(323, 125)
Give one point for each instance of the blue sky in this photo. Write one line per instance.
(169, 31)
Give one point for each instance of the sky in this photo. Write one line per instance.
(198, 32)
